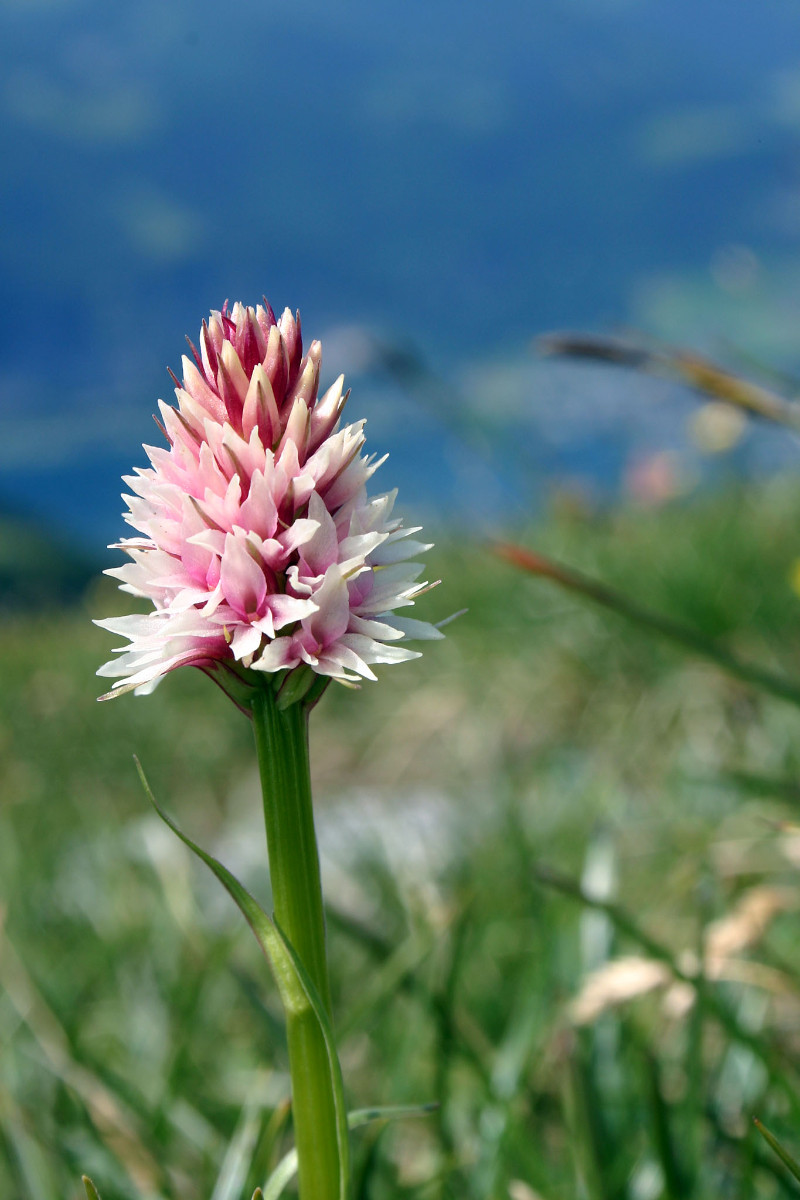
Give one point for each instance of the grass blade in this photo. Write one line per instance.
(676, 1183)
(653, 622)
(236, 1163)
(698, 373)
(784, 1155)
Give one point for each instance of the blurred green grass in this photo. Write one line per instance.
(141, 1034)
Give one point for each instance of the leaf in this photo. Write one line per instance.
(287, 1167)
(91, 1191)
(782, 1154)
(390, 1112)
(236, 1163)
(297, 991)
(271, 942)
(676, 1181)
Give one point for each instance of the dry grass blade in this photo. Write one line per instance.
(698, 373)
(674, 631)
(748, 921)
(626, 978)
(617, 981)
(766, 1051)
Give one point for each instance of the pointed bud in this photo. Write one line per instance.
(296, 430)
(261, 410)
(265, 317)
(209, 352)
(232, 382)
(308, 380)
(276, 365)
(325, 414)
(251, 343)
(292, 340)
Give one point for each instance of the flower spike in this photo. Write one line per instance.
(256, 541)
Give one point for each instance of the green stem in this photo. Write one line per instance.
(282, 744)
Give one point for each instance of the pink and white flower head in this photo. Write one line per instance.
(257, 542)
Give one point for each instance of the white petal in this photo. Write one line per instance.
(418, 630)
(245, 640)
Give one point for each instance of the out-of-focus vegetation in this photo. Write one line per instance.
(528, 838)
(38, 569)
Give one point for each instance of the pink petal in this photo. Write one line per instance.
(333, 602)
(288, 609)
(243, 582)
(322, 549)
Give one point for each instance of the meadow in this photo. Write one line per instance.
(560, 860)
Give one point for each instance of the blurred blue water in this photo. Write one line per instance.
(453, 176)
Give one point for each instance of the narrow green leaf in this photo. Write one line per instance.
(595, 1148)
(296, 989)
(91, 1191)
(676, 1182)
(390, 1112)
(283, 1173)
(287, 1167)
(782, 1154)
(236, 1163)
(292, 994)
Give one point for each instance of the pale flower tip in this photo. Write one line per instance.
(91, 1191)
(426, 587)
(255, 538)
(306, 386)
(352, 685)
(453, 617)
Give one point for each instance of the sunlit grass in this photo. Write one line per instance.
(139, 1025)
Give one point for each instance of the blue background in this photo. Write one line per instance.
(451, 177)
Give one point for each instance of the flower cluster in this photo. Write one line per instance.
(258, 545)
